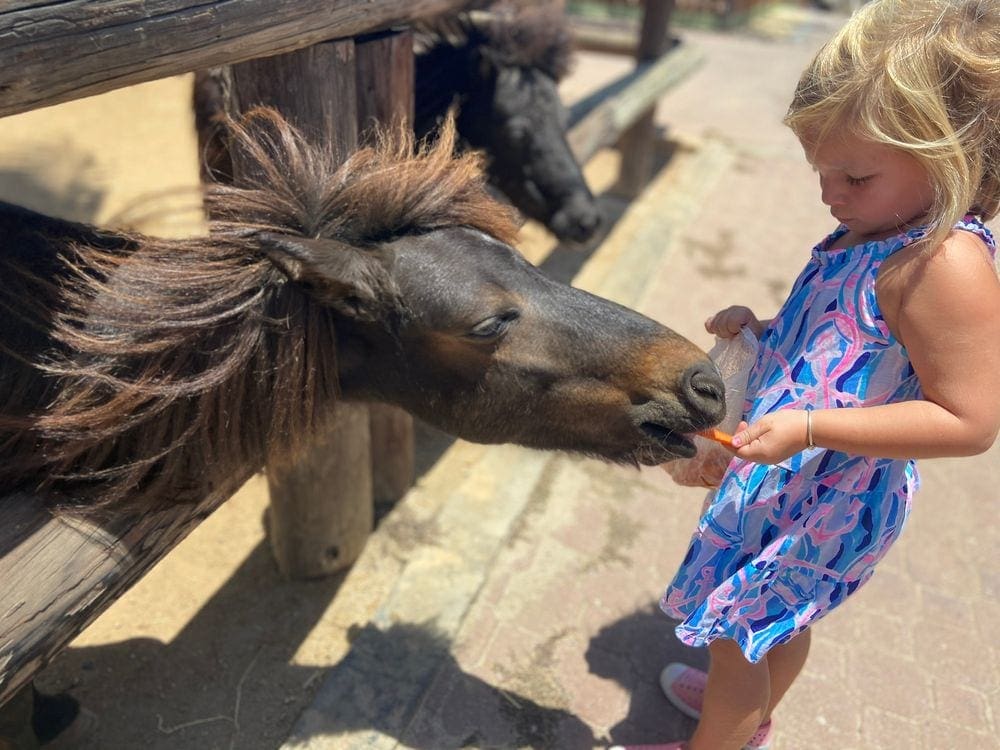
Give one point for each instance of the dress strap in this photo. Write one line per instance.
(971, 223)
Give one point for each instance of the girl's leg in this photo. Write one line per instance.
(784, 663)
(736, 700)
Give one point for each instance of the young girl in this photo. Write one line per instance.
(886, 350)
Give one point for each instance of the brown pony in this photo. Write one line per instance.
(141, 371)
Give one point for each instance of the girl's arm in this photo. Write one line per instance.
(944, 305)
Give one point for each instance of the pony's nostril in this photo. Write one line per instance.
(578, 219)
(704, 390)
(590, 222)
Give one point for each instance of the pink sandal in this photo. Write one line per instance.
(684, 687)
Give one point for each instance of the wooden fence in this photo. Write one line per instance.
(58, 574)
(717, 13)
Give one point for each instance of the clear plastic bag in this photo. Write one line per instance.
(734, 357)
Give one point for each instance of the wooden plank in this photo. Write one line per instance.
(393, 452)
(654, 33)
(603, 36)
(65, 49)
(601, 118)
(385, 70)
(321, 510)
(60, 573)
(636, 144)
(314, 88)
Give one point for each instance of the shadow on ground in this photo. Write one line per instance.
(632, 651)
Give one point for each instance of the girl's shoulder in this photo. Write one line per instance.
(966, 248)
(960, 267)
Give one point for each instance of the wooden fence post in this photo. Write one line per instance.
(385, 70)
(637, 143)
(321, 510)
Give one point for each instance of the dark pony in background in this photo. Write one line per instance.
(143, 372)
(497, 72)
(500, 72)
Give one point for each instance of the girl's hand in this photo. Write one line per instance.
(727, 323)
(772, 438)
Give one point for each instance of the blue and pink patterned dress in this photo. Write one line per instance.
(780, 546)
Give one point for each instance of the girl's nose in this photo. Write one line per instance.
(829, 193)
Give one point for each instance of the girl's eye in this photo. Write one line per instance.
(493, 326)
(858, 180)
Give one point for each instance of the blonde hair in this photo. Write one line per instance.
(922, 76)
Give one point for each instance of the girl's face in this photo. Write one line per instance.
(873, 189)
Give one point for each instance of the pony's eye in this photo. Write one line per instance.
(493, 326)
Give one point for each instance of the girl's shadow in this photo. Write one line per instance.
(633, 651)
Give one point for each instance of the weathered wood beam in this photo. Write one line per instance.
(66, 49)
(599, 36)
(59, 573)
(599, 119)
(321, 510)
(637, 142)
(385, 73)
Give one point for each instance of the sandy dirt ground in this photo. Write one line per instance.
(126, 158)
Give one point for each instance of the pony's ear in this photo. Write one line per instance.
(347, 278)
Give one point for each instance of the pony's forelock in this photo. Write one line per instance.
(394, 187)
(513, 33)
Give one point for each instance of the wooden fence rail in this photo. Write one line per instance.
(57, 51)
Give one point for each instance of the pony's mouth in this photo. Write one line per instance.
(674, 443)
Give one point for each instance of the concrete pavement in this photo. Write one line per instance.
(509, 601)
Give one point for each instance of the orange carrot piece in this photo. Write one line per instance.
(718, 436)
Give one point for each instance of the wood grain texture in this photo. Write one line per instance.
(637, 142)
(385, 73)
(59, 572)
(603, 117)
(322, 509)
(57, 51)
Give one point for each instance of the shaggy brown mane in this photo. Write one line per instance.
(162, 371)
(392, 188)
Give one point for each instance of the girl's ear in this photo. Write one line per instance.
(346, 278)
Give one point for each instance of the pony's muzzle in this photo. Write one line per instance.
(578, 220)
(704, 392)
